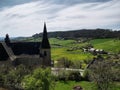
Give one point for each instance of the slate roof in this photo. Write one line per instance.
(30, 48)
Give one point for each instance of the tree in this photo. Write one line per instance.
(15, 75)
(101, 73)
(40, 79)
(4, 70)
(10, 77)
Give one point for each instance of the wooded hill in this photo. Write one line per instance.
(87, 33)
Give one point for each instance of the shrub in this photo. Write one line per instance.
(77, 64)
(64, 62)
(40, 79)
(86, 75)
(74, 75)
(63, 75)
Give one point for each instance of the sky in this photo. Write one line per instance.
(27, 17)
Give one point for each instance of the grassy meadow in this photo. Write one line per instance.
(71, 49)
(84, 84)
(68, 49)
(110, 45)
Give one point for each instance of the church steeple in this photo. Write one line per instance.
(45, 43)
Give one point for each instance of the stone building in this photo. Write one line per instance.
(27, 53)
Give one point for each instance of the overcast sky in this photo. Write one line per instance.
(26, 17)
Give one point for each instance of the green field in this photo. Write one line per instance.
(68, 49)
(71, 55)
(110, 45)
(84, 84)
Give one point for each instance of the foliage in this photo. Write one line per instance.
(115, 68)
(86, 75)
(75, 76)
(94, 33)
(77, 64)
(64, 75)
(40, 79)
(101, 74)
(64, 62)
(12, 76)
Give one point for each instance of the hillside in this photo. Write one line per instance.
(87, 33)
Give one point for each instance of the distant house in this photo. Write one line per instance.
(94, 51)
(27, 53)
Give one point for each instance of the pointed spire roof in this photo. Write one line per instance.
(45, 42)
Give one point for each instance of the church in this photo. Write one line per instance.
(26, 53)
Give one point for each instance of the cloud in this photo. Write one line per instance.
(96, 16)
(28, 18)
(7, 3)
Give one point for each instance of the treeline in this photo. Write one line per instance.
(87, 33)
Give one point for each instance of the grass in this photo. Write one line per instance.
(84, 84)
(59, 52)
(70, 84)
(71, 55)
(61, 42)
(110, 45)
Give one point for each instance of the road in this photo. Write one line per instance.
(56, 71)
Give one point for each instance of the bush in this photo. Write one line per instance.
(64, 62)
(63, 75)
(40, 79)
(77, 64)
(10, 77)
(86, 75)
(74, 75)
(69, 75)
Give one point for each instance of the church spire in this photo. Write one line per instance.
(45, 43)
